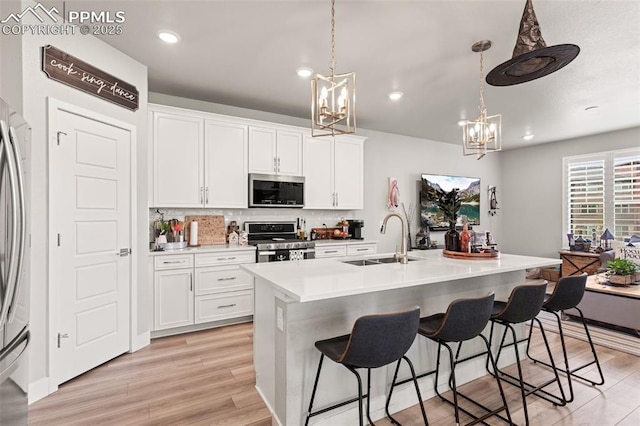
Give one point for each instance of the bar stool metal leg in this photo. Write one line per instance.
(415, 382)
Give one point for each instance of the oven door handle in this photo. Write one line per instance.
(266, 253)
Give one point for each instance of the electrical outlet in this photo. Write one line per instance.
(279, 318)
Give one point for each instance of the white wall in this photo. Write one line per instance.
(531, 197)
(37, 89)
(406, 158)
(10, 61)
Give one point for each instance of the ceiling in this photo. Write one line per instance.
(245, 54)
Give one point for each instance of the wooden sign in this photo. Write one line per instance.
(67, 69)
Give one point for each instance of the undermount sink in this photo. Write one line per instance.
(376, 261)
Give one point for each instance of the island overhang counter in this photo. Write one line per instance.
(297, 303)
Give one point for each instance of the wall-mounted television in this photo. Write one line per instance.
(469, 190)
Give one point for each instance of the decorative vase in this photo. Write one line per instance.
(452, 238)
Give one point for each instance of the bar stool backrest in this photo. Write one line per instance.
(567, 294)
(378, 340)
(524, 303)
(465, 319)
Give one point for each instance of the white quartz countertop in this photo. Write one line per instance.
(201, 249)
(320, 279)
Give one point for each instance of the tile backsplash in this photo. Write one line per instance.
(313, 218)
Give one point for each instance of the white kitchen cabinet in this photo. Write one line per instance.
(192, 289)
(178, 169)
(345, 249)
(173, 298)
(333, 170)
(225, 164)
(199, 159)
(275, 151)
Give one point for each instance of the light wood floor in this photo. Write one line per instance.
(207, 378)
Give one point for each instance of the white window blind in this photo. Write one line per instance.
(586, 191)
(603, 191)
(626, 194)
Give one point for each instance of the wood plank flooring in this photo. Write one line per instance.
(207, 378)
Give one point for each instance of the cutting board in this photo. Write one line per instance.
(211, 229)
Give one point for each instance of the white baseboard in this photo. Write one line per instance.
(612, 339)
(38, 390)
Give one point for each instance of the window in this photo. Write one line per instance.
(602, 191)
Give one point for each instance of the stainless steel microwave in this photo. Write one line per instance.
(276, 191)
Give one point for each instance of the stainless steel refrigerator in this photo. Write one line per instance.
(14, 278)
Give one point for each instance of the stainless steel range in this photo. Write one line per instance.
(278, 241)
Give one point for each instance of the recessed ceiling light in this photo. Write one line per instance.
(169, 36)
(589, 108)
(394, 96)
(528, 137)
(304, 72)
(462, 122)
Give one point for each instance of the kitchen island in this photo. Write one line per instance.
(300, 302)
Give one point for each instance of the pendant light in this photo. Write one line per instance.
(333, 102)
(484, 134)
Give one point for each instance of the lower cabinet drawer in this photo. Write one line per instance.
(214, 307)
(218, 279)
(361, 249)
(331, 251)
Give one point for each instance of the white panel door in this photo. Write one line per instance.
(177, 156)
(348, 171)
(91, 214)
(289, 153)
(226, 181)
(262, 150)
(318, 172)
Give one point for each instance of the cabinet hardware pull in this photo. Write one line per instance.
(227, 279)
(278, 168)
(331, 251)
(337, 202)
(201, 195)
(226, 306)
(275, 164)
(173, 261)
(226, 258)
(362, 249)
(190, 281)
(206, 197)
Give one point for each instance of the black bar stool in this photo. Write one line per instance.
(375, 341)
(523, 305)
(567, 295)
(464, 320)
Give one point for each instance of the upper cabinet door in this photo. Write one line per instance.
(226, 178)
(262, 151)
(318, 172)
(349, 173)
(289, 153)
(178, 167)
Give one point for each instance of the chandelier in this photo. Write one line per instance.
(484, 134)
(333, 102)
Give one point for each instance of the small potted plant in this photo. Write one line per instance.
(623, 271)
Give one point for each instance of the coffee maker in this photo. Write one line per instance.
(355, 228)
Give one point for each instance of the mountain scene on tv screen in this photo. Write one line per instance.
(468, 190)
